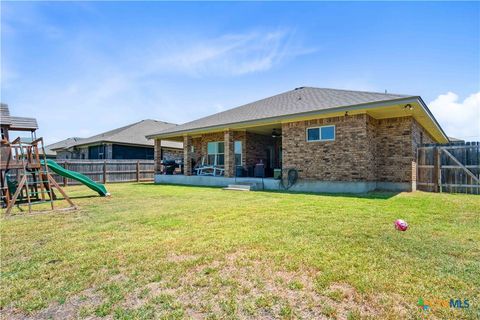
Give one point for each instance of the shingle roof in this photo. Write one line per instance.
(132, 134)
(299, 100)
(453, 139)
(23, 123)
(4, 115)
(16, 123)
(64, 144)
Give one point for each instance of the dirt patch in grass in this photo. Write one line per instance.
(237, 286)
(182, 257)
(70, 309)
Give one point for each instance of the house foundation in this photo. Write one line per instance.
(270, 184)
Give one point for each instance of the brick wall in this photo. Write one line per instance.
(345, 159)
(397, 142)
(371, 155)
(394, 150)
(172, 154)
(256, 148)
(365, 149)
(197, 149)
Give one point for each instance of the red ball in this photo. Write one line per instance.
(401, 225)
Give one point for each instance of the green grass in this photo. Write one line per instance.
(176, 252)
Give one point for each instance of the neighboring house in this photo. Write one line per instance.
(62, 147)
(10, 123)
(455, 140)
(337, 140)
(127, 142)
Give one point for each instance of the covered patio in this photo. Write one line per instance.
(253, 152)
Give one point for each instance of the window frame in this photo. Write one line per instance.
(240, 153)
(216, 154)
(320, 133)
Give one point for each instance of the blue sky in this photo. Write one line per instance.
(82, 68)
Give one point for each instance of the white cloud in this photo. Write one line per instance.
(231, 54)
(459, 119)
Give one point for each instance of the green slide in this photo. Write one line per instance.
(58, 169)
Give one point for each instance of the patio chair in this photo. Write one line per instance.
(208, 170)
(220, 169)
(199, 167)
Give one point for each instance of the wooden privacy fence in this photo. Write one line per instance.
(449, 168)
(104, 171)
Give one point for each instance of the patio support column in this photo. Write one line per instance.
(158, 155)
(187, 155)
(229, 154)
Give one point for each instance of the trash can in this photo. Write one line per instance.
(259, 170)
(277, 174)
(239, 171)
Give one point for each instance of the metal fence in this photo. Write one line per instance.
(451, 168)
(104, 171)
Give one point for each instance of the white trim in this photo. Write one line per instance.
(320, 133)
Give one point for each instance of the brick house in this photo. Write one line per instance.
(336, 140)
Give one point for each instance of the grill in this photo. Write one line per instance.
(169, 166)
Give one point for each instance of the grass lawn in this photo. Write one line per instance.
(154, 251)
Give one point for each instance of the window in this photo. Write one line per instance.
(325, 133)
(216, 153)
(313, 134)
(238, 153)
(131, 152)
(96, 152)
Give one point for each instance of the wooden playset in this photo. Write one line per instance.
(24, 175)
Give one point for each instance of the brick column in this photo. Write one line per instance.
(158, 155)
(187, 155)
(229, 154)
